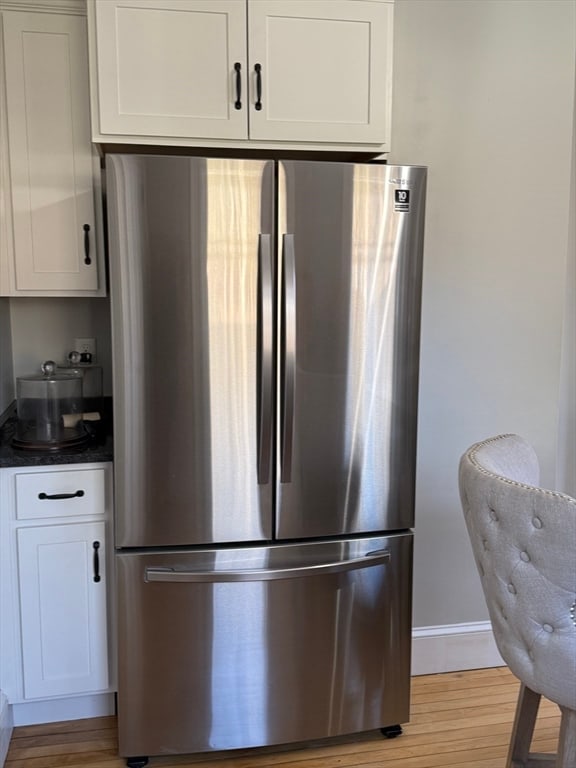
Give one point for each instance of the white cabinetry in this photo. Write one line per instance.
(165, 67)
(52, 244)
(325, 70)
(267, 73)
(64, 644)
(55, 573)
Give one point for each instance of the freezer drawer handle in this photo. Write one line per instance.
(58, 496)
(263, 574)
(238, 70)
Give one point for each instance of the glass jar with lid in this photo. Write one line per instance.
(49, 411)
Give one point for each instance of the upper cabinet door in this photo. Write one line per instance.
(167, 67)
(325, 70)
(50, 154)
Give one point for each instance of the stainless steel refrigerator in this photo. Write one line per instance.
(266, 319)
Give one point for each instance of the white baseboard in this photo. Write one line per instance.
(5, 727)
(56, 710)
(454, 647)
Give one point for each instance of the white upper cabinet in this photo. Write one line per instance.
(49, 210)
(325, 70)
(237, 73)
(166, 67)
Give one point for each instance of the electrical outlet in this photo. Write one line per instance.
(85, 345)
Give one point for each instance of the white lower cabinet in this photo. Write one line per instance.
(54, 589)
(63, 609)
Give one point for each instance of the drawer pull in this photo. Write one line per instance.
(58, 496)
(96, 547)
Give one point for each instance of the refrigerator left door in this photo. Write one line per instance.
(191, 285)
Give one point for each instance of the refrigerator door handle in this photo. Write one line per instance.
(265, 357)
(288, 354)
(266, 574)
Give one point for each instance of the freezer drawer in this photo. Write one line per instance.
(230, 648)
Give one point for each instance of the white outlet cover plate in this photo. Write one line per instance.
(85, 345)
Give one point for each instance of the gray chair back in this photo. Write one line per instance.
(524, 543)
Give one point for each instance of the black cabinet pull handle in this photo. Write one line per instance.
(258, 70)
(237, 69)
(96, 547)
(87, 259)
(51, 496)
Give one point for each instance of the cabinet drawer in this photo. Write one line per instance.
(65, 493)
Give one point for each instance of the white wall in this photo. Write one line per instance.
(566, 471)
(45, 329)
(6, 369)
(484, 95)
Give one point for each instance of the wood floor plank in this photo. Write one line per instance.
(57, 749)
(64, 738)
(458, 720)
(469, 675)
(507, 692)
(67, 726)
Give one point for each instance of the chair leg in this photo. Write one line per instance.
(524, 722)
(567, 741)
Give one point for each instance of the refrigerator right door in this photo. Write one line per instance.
(350, 251)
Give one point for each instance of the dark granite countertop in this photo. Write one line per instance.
(98, 448)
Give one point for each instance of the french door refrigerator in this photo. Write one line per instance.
(266, 320)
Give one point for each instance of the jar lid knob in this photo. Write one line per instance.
(48, 367)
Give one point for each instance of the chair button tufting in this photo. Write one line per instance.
(547, 628)
(493, 515)
(525, 557)
(512, 589)
(536, 522)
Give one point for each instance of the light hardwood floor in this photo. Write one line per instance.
(458, 720)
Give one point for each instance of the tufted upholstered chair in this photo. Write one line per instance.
(524, 542)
